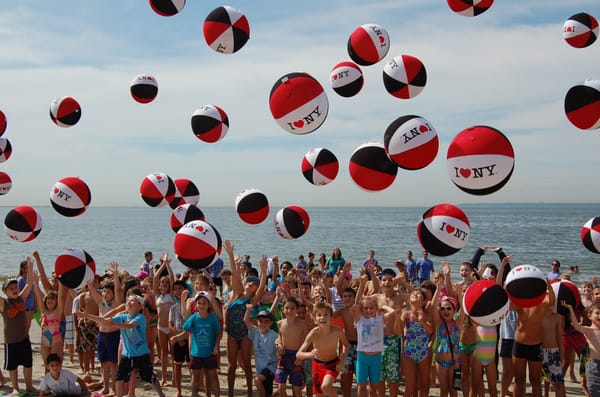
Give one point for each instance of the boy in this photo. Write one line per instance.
(552, 349)
(347, 316)
(60, 382)
(179, 346)
(265, 353)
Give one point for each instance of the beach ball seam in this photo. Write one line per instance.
(197, 244)
(65, 112)
(23, 223)
(252, 206)
(226, 30)
(5, 149)
(368, 44)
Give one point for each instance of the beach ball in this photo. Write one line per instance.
(565, 290)
(444, 230)
(526, 286)
(480, 160)
(411, 142)
(2, 122)
(580, 30)
(65, 111)
(291, 222)
(23, 223)
(226, 30)
(210, 123)
(404, 76)
(486, 302)
(157, 189)
(5, 149)
(582, 105)
(143, 88)
(185, 213)
(298, 103)
(371, 168)
(74, 268)
(320, 166)
(167, 8)
(368, 44)
(252, 206)
(5, 183)
(590, 235)
(185, 193)
(346, 79)
(197, 244)
(470, 8)
(70, 196)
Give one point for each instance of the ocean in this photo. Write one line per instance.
(532, 233)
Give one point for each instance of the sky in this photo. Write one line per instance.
(508, 68)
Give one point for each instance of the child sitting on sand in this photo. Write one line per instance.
(61, 382)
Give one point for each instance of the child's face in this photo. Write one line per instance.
(133, 306)
(594, 317)
(107, 295)
(177, 290)
(416, 298)
(322, 317)
(446, 310)
(165, 285)
(285, 268)
(12, 291)
(348, 299)
(586, 289)
(387, 281)
(369, 309)
(301, 313)
(51, 302)
(202, 304)
(197, 285)
(264, 324)
(305, 289)
(318, 292)
(289, 310)
(596, 295)
(54, 367)
(465, 271)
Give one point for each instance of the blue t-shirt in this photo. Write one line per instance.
(265, 352)
(215, 269)
(425, 267)
(333, 265)
(30, 300)
(134, 339)
(204, 334)
(411, 269)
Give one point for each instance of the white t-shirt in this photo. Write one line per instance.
(65, 384)
(370, 334)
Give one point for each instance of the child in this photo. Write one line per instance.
(60, 382)
(162, 288)
(552, 350)
(347, 316)
(52, 308)
(303, 315)
(265, 353)
(179, 346)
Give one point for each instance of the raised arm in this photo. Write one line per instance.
(156, 280)
(118, 295)
(31, 280)
(249, 324)
(62, 296)
(91, 286)
(236, 279)
(446, 271)
(167, 260)
(550, 298)
(435, 302)
(263, 280)
(503, 265)
(42, 272)
(574, 323)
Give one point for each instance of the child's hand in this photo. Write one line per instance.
(564, 304)
(249, 307)
(185, 295)
(445, 268)
(228, 246)
(263, 264)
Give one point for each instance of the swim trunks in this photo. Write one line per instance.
(320, 370)
(286, 367)
(528, 352)
(392, 349)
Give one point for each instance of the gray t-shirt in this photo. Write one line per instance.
(65, 384)
(265, 352)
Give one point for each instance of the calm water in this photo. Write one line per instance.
(532, 233)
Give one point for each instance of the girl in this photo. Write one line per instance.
(164, 300)
(335, 262)
(51, 307)
(151, 316)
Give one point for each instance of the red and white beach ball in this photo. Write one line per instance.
(291, 222)
(185, 213)
(486, 302)
(582, 105)
(226, 30)
(470, 8)
(167, 8)
(411, 142)
(65, 111)
(5, 183)
(320, 166)
(70, 196)
(444, 230)
(526, 286)
(5, 149)
(252, 206)
(197, 244)
(210, 123)
(298, 103)
(74, 268)
(186, 192)
(480, 160)
(143, 88)
(590, 235)
(346, 79)
(157, 189)
(404, 76)
(3, 122)
(580, 30)
(23, 223)
(368, 44)
(567, 291)
(371, 168)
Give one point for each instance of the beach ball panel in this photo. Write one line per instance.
(3, 123)
(70, 196)
(23, 223)
(5, 149)
(185, 213)
(65, 111)
(5, 183)
(590, 235)
(143, 88)
(486, 302)
(582, 105)
(157, 190)
(526, 286)
(411, 142)
(167, 8)
(371, 168)
(431, 243)
(470, 8)
(404, 77)
(186, 192)
(346, 79)
(197, 244)
(210, 123)
(368, 44)
(226, 30)
(74, 268)
(565, 290)
(319, 166)
(252, 206)
(291, 222)
(580, 30)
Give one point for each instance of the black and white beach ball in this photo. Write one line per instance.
(411, 142)
(444, 230)
(590, 235)
(3, 122)
(65, 111)
(582, 105)
(185, 213)
(186, 192)
(371, 168)
(74, 268)
(526, 286)
(368, 44)
(23, 223)
(167, 8)
(226, 30)
(291, 222)
(70, 196)
(470, 8)
(320, 166)
(157, 189)
(5, 149)
(346, 79)
(210, 123)
(5, 183)
(486, 302)
(143, 88)
(197, 244)
(580, 30)
(567, 291)
(404, 76)
(252, 206)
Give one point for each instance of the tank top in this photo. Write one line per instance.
(15, 320)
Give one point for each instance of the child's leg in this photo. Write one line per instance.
(119, 388)
(361, 389)
(177, 377)
(232, 356)
(246, 350)
(445, 375)
(535, 377)
(491, 375)
(258, 382)
(519, 370)
(131, 383)
(14, 380)
(163, 339)
(423, 368)
(327, 386)
(195, 377)
(410, 375)
(212, 382)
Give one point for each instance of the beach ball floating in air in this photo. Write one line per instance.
(197, 244)
(186, 192)
(480, 160)
(590, 235)
(252, 206)
(157, 189)
(65, 111)
(5, 149)
(167, 8)
(371, 168)
(23, 223)
(74, 268)
(411, 142)
(320, 166)
(5, 183)
(143, 88)
(226, 30)
(291, 222)
(582, 105)
(565, 290)
(298, 103)
(210, 123)
(185, 213)
(526, 286)
(580, 30)
(444, 230)
(404, 76)
(346, 79)
(2, 122)
(368, 44)
(470, 8)
(70, 196)
(486, 302)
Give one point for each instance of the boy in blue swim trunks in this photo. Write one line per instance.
(291, 335)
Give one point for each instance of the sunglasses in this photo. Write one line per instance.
(447, 308)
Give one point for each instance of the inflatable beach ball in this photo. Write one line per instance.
(74, 268)
(582, 105)
(5, 149)
(580, 30)
(197, 244)
(185, 213)
(470, 8)
(5, 183)
(143, 88)
(70, 196)
(167, 8)
(226, 30)
(411, 142)
(371, 168)
(368, 44)
(157, 190)
(486, 302)
(444, 230)
(298, 103)
(291, 222)
(2, 122)
(65, 111)
(480, 160)
(23, 223)
(320, 166)
(186, 192)
(252, 206)
(590, 235)
(404, 76)
(526, 286)
(210, 123)
(565, 290)
(346, 79)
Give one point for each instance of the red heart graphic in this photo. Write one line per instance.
(450, 229)
(299, 123)
(335, 77)
(200, 228)
(465, 172)
(56, 190)
(158, 177)
(518, 269)
(381, 39)
(569, 29)
(423, 128)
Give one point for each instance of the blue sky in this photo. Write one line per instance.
(508, 68)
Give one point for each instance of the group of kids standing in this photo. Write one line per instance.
(306, 325)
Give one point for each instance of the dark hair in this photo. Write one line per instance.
(8, 282)
(53, 357)
(252, 272)
(349, 290)
(110, 285)
(147, 253)
(292, 300)
(179, 282)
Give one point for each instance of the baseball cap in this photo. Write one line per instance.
(265, 314)
(202, 294)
